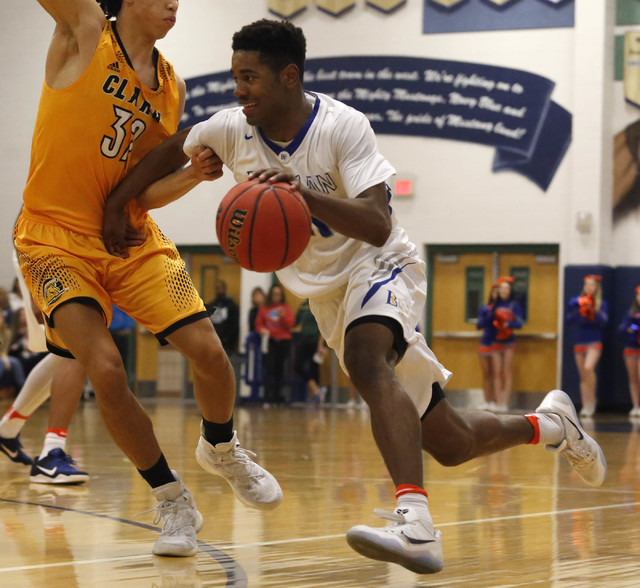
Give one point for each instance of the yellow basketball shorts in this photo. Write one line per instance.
(152, 285)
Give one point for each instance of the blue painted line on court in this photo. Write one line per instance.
(236, 576)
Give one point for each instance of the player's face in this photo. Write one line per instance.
(504, 289)
(258, 89)
(158, 16)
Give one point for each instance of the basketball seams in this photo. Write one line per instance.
(228, 206)
(286, 226)
(254, 215)
(263, 226)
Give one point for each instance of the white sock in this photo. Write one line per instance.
(12, 423)
(550, 427)
(418, 502)
(52, 441)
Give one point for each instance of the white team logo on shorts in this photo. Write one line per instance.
(52, 289)
(391, 298)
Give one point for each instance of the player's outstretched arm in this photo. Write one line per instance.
(205, 166)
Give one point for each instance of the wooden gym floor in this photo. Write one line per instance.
(519, 518)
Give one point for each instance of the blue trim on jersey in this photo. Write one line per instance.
(323, 229)
(379, 285)
(302, 133)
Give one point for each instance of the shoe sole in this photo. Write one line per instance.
(175, 551)
(372, 549)
(563, 399)
(59, 480)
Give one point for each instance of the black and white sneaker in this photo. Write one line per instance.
(582, 451)
(409, 541)
(12, 448)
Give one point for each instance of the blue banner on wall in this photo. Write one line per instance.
(505, 108)
(457, 16)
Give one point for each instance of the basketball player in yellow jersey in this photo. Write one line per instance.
(108, 98)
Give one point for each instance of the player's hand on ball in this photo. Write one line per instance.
(206, 164)
(274, 176)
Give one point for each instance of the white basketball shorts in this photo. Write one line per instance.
(398, 291)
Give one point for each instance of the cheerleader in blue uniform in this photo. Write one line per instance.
(485, 322)
(589, 313)
(507, 316)
(629, 330)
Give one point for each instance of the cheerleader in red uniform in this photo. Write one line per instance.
(485, 322)
(507, 316)
(589, 313)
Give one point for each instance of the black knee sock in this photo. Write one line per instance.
(158, 474)
(217, 432)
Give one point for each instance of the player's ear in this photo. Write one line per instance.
(290, 75)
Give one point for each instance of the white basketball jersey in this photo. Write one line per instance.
(335, 153)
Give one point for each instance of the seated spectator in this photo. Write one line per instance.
(11, 373)
(19, 344)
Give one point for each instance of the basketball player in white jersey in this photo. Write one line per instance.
(57, 377)
(364, 279)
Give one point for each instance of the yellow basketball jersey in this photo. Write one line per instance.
(88, 135)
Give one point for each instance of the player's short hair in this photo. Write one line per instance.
(110, 7)
(278, 42)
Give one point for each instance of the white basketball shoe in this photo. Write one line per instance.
(180, 519)
(409, 541)
(252, 484)
(583, 453)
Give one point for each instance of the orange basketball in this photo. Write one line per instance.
(263, 227)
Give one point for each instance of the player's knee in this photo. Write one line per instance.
(458, 447)
(209, 356)
(107, 372)
(453, 454)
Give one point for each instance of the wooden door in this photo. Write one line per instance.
(461, 282)
(454, 337)
(535, 359)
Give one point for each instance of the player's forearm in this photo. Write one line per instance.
(165, 159)
(352, 217)
(168, 189)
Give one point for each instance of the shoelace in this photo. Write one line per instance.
(170, 509)
(580, 460)
(241, 456)
(68, 459)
